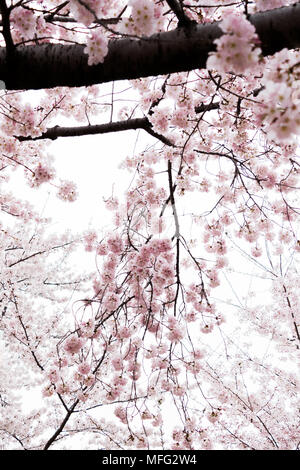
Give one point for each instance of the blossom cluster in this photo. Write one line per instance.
(146, 18)
(42, 173)
(25, 21)
(280, 98)
(97, 47)
(67, 191)
(237, 49)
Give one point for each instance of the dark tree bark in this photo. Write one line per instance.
(55, 132)
(183, 49)
(131, 124)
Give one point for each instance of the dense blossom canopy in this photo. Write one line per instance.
(150, 334)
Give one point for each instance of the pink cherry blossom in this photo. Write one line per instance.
(97, 47)
(67, 191)
(73, 344)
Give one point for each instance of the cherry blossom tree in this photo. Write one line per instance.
(150, 355)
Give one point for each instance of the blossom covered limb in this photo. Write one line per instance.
(130, 124)
(54, 65)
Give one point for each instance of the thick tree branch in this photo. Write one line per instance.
(55, 132)
(131, 124)
(77, 131)
(51, 65)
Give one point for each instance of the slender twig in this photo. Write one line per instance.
(61, 427)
